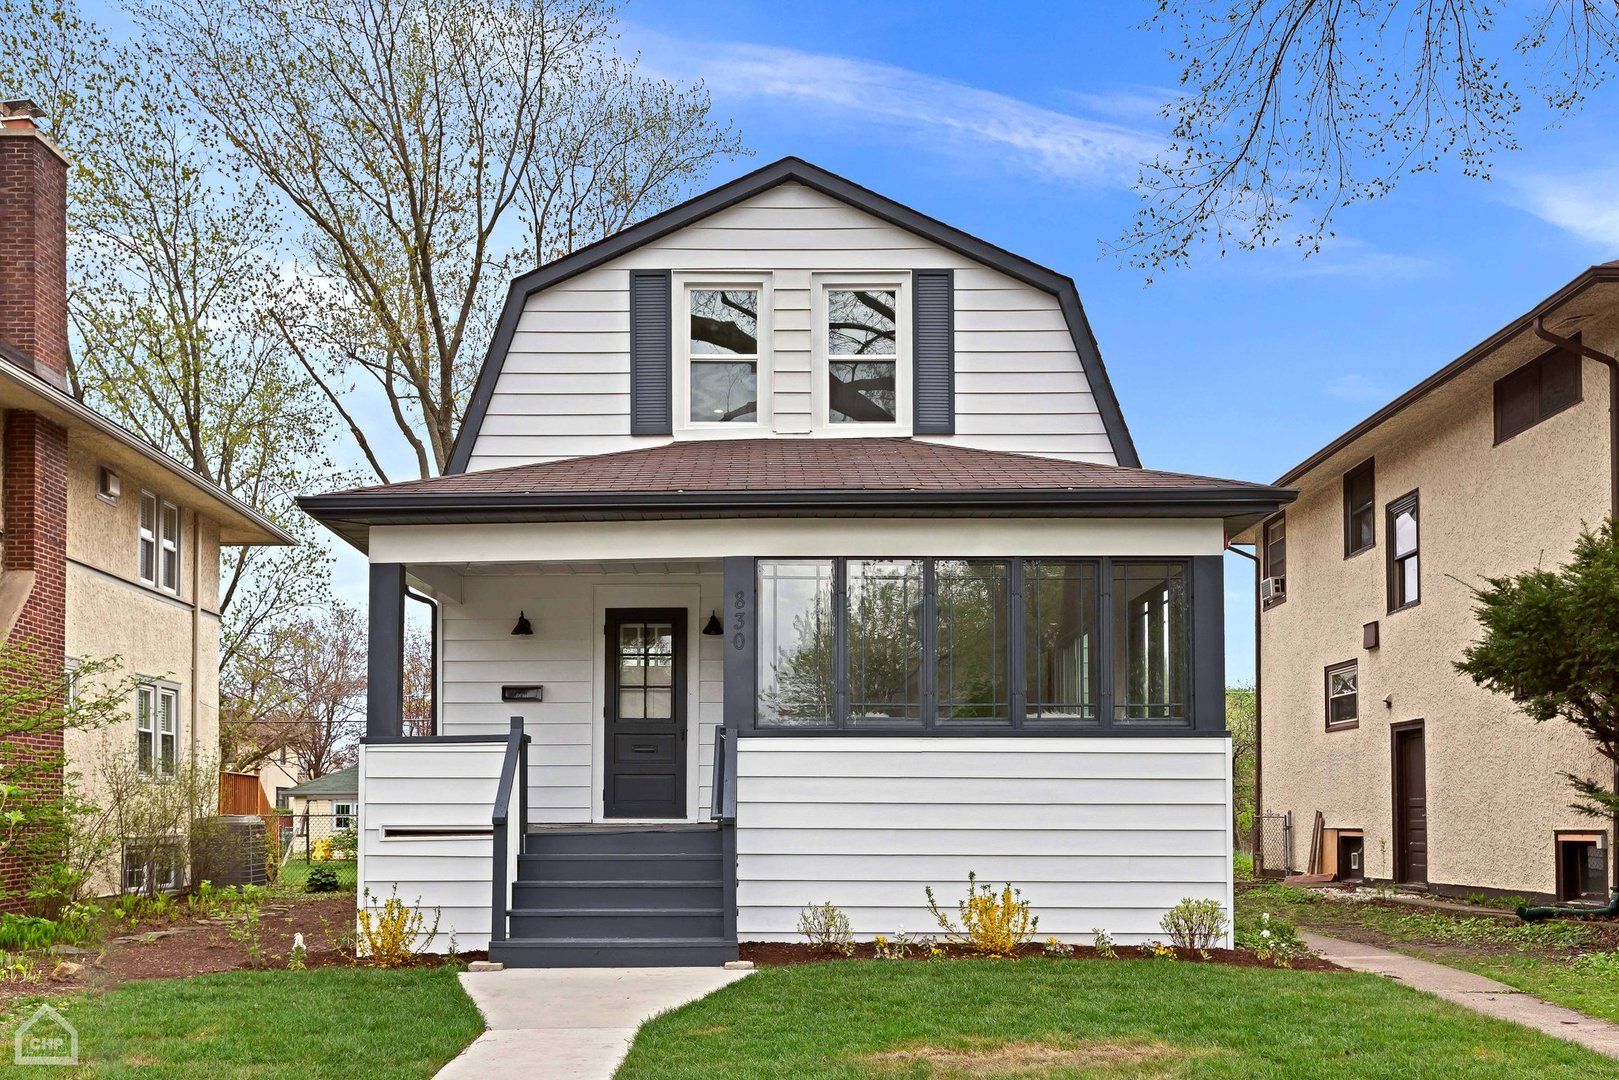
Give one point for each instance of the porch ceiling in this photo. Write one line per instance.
(663, 568)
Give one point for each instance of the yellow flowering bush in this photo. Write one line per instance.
(392, 936)
(321, 850)
(992, 923)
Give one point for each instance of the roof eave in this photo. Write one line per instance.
(1595, 275)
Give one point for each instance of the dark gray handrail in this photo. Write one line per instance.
(723, 785)
(513, 765)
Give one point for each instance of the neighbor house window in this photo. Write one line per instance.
(960, 644)
(1151, 642)
(861, 332)
(1060, 642)
(1343, 695)
(722, 355)
(1360, 509)
(1405, 580)
(1275, 558)
(158, 560)
(342, 815)
(1541, 388)
(157, 714)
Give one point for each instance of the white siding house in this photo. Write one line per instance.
(794, 549)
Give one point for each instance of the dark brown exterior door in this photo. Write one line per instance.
(1410, 807)
(645, 715)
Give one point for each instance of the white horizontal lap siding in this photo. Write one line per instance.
(564, 388)
(1103, 833)
(479, 654)
(447, 878)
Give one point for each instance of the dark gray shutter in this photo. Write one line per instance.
(933, 327)
(651, 394)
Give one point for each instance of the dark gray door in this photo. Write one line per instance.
(1410, 807)
(646, 713)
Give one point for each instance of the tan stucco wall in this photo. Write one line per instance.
(1494, 791)
(155, 635)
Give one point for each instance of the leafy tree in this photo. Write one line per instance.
(1551, 641)
(1295, 107)
(430, 148)
(1242, 720)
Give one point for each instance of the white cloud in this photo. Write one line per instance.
(1358, 388)
(1052, 144)
(1581, 204)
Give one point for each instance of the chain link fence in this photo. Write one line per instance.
(319, 848)
(1273, 845)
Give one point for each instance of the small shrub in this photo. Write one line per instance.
(1157, 950)
(1103, 943)
(1195, 924)
(321, 879)
(826, 927)
(1273, 939)
(992, 924)
(393, 936)
(897, 947)
(19, 933)
(1056, 949)
(244, 930)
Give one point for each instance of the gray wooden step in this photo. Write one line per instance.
(620, 866)
(649, 922)
(617, 894)
(623, 840)
(613, 952)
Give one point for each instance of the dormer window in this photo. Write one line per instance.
(863, 347)
(723, 360)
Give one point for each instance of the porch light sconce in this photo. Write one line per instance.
(712, 628)
(523, 628)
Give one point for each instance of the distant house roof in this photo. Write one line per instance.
(726, 477)
(22, 386)
(332, 785)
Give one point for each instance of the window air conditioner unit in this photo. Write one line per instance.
(107, 484)
(1273, 588)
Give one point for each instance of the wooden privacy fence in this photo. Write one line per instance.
(240, 793)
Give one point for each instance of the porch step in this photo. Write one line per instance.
(643, 922)
(620, 866)
(681, 839)
(613, 952)
(611, 894)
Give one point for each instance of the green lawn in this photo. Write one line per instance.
(1538, 958)
(1087, 1018)
(295, 872)
(343, 1023)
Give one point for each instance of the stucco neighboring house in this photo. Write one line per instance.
(795, 549)
(111, 548)
(1490, 466)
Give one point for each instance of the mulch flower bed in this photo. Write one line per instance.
(184, 945)
(779, 953)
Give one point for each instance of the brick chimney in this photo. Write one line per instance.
(33, 242)
(33, 448)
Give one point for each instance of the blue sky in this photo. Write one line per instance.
(1025, 131)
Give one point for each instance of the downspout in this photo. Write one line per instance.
(1579, 348)
(1259, 789)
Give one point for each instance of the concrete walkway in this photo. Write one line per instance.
(1472, 992)
(570, 1023)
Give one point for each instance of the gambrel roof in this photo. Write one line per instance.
(796, 170)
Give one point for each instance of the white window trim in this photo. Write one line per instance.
(167, 543)
(153, 692)
(820, 371)
(342, 811)
(684, 286)
(145, 536)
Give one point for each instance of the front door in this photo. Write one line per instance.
(1410, 807)
(645, 744)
